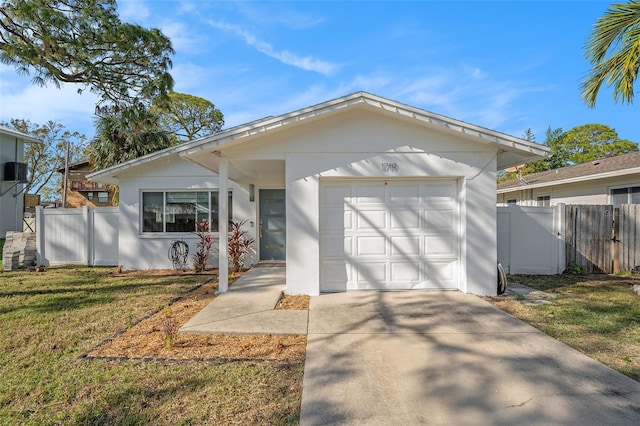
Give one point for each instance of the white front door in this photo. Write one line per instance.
(389, 234)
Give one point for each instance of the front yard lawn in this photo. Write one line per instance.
(599, 315)
(49, 320)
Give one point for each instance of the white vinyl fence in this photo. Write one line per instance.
(531, 239)
(87, 236)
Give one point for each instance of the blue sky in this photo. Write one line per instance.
(505, 65)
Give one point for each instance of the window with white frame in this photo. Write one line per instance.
(103, 197)
(629, 195)
(180, 211)
(543, 200)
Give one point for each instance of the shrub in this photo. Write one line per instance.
(201, 256)
(240, 245)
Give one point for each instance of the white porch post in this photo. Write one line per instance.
(223, 226)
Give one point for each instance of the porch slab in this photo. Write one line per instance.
(247, 308)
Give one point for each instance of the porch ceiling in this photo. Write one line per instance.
(240, 169)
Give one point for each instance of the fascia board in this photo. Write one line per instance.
(586, 178)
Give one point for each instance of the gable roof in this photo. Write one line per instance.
(512, 150)
(607, 167)
(75, 166)
(10, 132)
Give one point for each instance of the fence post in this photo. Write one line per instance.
(40, 241)
(559, 218)
(88, 240)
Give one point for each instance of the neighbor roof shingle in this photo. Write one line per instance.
(605, 165)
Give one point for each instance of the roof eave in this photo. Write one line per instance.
(605, 175)
(22, 136)
(503, 141)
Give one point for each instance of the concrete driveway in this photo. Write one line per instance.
(406, 358)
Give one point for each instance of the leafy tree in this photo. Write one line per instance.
(587, 143)
(553, 139)
(581, 144)
(528, 135)
(43, 160)
(613, 48)
(187, 117)
(84, 41)
(125, 134)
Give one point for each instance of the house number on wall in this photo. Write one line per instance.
(390, 167)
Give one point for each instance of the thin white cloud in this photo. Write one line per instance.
(20, 99)
(133, 11)
(277, 13)
(183, 39)
(307, 63)
(186, 7)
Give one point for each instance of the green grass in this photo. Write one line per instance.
(597, 314)
(48, 320)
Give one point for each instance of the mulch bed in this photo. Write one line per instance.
(148, 339)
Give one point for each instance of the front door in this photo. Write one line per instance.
(272, 224)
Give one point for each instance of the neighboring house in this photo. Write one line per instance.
(82, 192)
(613, 180)
(13, 175)
(355, 193)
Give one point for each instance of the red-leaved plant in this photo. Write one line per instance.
(201, 256)
(240, 245)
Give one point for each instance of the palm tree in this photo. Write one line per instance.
(616, 33)
(125, 134)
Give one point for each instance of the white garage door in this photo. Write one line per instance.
(389, 234)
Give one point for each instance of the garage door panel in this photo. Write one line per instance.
(403, 194)
(371, 246)
(405, 246)
(335, 275)
(371, 219)
(441, 273)
(405, 218)
(336, 219)
(439, 220)
(336, 195)
(371, 274)
(336, 246)
(367, 193)
(405, 272)
(439, 245)
(440, 192)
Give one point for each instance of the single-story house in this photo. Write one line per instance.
(13, 175)
(359, 192)
(613, 180)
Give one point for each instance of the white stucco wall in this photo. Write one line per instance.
(139, 250)
(587, 192)
(355, 144)
(11, 203)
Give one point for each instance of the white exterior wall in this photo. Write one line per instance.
(588, 192)
(355, 144)
(150, 251)
(11, 205)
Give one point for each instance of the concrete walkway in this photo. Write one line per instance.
(407, 358)
(247, 308)
(419, 357)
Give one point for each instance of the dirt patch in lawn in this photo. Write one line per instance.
(156, 336)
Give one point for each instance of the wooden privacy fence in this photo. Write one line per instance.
(602, 239)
